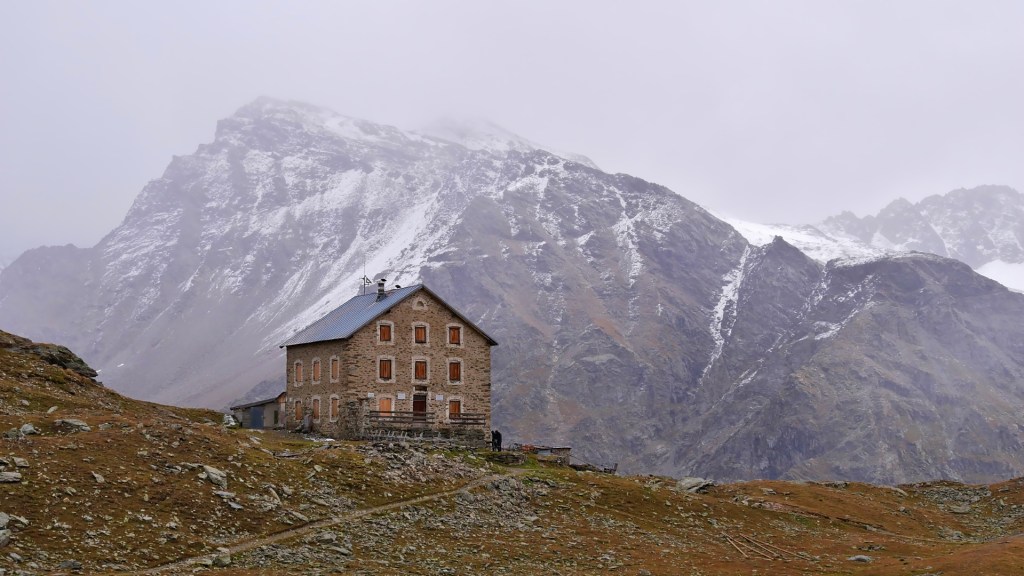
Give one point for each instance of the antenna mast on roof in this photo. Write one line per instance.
(365, 281)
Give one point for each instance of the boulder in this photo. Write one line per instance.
(694, 484)
(216, 476)
(71, 425)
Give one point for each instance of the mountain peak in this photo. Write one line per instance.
(478, 133)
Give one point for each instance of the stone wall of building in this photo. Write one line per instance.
(359, 383)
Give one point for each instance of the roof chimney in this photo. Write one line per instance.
(380, 289)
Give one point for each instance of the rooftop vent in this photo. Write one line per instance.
(380, 289)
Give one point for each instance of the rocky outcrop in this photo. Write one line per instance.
(50, 353)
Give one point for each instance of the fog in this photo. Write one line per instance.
(778, 111)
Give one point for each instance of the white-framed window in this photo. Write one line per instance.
(421, 334)
(316, 408)
(454, 335)
(297, 373)
(420, 368)
(455, 371)
(385, 332)
(335, 368)
(385, 369)
(315, 371)
(298, 411)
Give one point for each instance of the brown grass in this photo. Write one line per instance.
(152, 507)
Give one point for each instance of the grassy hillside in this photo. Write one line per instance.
(131, 493)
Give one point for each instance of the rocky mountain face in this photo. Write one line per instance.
(891, 368)
(632, 324)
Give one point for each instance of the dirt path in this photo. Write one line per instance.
(256, 542)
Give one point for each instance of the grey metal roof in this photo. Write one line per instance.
(345, 320)
(257, 403)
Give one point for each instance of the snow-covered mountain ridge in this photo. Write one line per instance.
(633, 324)
(983, 227)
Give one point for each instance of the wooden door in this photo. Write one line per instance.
(419, 406)
(385, 405)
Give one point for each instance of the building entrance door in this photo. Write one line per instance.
(419, 406)
(256, 415)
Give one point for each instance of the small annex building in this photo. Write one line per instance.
(399, 360)
(267, 413)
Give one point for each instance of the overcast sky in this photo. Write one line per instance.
(773, 111)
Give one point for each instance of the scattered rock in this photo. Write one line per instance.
(9, 477)
(216, 476)
(222, 560)
(51, 410)
(694, 484)
(20, 462)
(21, 520)
(13, 434)
(71, 425)
(5, 537)
(861, 558)
(960, 509)
(98, 477)
(70, 565)
(28, 429)
(273, 495)
(326, 537)
(4, 520)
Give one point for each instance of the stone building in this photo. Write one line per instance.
(394, 360)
